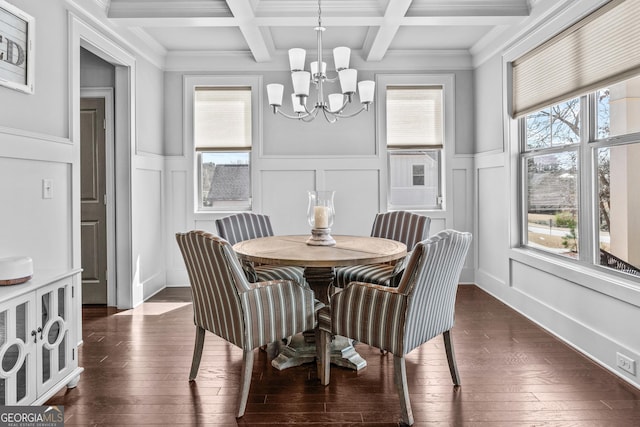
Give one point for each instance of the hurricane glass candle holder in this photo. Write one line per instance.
(320, 214)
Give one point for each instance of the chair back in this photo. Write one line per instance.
(244, 226)
(431, 281)
(216, 280)
(402, 226)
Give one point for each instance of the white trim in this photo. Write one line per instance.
(547, 18)
(97, 24)
(447, 81)
(80, 34)
(30, 50)
(189, 83)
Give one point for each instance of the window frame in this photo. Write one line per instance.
(190, 83)
(587, 187)
(447, 151)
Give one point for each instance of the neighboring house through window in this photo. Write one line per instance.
(415, 142)
(223, 136)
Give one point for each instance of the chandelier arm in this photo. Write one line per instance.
(332, 119)
(310, 117)
(347, 101)
(313, 111)
(299, 116)
(365, 107)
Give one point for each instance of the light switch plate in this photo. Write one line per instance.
(47, 189)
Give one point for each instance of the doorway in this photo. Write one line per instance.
(116, 73)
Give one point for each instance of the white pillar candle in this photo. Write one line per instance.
(321, 215)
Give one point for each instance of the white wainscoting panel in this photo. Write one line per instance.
(178, 209)
(285, 199)
(492, 219)
(585, 319)
(460, 204)
(149, 267)
(30, 224)
(356, 199)
(437, 224)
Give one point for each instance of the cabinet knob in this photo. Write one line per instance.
(40, 330)
(33, 334)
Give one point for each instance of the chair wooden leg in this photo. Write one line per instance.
(323, 349)
(197, 353)
(451, 357)
(245, 380)
(400, 378)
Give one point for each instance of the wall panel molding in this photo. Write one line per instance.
(19, 144)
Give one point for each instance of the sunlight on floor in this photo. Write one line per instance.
(153, 308)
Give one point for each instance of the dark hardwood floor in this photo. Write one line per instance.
(513, 374)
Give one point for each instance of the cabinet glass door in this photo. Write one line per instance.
(17, 337)
(54, 341)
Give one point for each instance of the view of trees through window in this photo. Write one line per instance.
(553, 156)
(553, 137)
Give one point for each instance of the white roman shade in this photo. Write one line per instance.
(599, 50)
(414, 117)
(222, 118)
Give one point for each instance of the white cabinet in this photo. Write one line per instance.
(39, 334)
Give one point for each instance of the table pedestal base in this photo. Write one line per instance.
(301, 350)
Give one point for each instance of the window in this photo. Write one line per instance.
(562, 159)
(418, 174)
(414, 136)
(222, 134)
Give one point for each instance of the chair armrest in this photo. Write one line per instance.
(370, 313)
(374, 286)
(275, 310)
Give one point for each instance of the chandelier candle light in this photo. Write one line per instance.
(334, 107)
(320, 214)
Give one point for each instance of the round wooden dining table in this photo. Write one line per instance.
(319, 264)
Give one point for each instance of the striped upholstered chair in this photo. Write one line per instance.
(244, 226)
(400, 319)
(405, 227)
(248, 315)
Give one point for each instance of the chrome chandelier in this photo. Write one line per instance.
(333, 109)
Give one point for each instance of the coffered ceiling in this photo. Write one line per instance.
(266, 28)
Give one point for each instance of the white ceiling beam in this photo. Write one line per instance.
(379, 44)
(160, 9)
(468, 8)
(254, 37)
(357, 21)
(461, 21)
(168, 22)
(292, 8)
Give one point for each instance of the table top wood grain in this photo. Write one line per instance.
(293, 250)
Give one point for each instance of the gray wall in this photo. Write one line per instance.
(95, 72)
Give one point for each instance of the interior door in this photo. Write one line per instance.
(93, 201)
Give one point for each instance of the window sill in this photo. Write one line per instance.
(597, 279)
